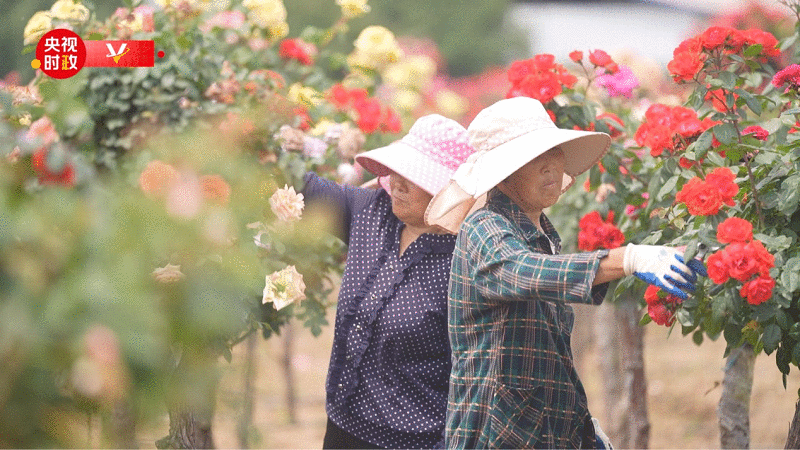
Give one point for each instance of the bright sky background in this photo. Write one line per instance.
(650, 30)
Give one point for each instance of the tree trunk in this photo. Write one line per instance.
(734, 404)
(123, 425)
(288, 372)
(793, 440)
(191, 404)
(607, 331)
(246, 421)
(637, 430)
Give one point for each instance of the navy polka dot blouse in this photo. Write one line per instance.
(390, 363)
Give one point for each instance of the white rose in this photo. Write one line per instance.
(287, 204)
(284, 287)
(168, 274)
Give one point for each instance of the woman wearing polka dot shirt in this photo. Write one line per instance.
(388, 376)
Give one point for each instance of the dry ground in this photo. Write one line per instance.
(682, 383)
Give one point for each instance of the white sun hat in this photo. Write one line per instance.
(506, 136)
(427, 156)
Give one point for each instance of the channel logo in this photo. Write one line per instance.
(61, 53)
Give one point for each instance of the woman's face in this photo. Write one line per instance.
(409, 201)
(537, 185)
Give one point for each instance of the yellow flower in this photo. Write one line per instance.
(304, 95)
(375, 47)
(40, 23)
(284, 287)
(414, 72)
(353, 8)
(268, 14)
(406, 100)
(451, 104)
(69, 10)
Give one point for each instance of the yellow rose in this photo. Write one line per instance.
(268, 14)
(406, 100)
(278, 30)
(375, 48)
(69, 10)
(353, 8)
(40, 23)
(451, 104)
(304, 95)
(415, 72)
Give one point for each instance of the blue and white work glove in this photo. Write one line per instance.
(663, 267)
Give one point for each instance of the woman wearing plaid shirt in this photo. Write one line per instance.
(513, 383)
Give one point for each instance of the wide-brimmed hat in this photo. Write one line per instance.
(427, 156)
(506, 136)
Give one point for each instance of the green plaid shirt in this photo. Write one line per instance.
(513, 382)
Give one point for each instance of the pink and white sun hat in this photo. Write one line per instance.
(506, 136)
(427, 156)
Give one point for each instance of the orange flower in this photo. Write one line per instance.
(156, 177)
(215, 189)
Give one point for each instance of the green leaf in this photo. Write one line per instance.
(728, 80)
(732, 333)
(685, 318)
(697, 337)
(668, 187)
(771, 338)
(753, 50)
(750, 100)
(702, 144)
(645, 320)
(725, 132)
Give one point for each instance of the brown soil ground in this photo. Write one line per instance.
(683, 392)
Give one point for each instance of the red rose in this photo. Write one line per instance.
(766, 260)
(717, 266)
(722, 179)
(543, 87)
(651, 295)
(768, 42)
(757, 132)
(369, 114)
(692, 44)
(700, 198)
(685, 65)
(543, 62)
(576, 55)
(734, 229)
(595, 233)
(758, 290)
(742, 261)
(297, 49)
(660, 314)
(339, 96)
(391, 122)
(599, 58)
(519, 70)
(65, 177)
(715, 37)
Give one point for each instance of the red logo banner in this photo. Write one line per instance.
(120, 53)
